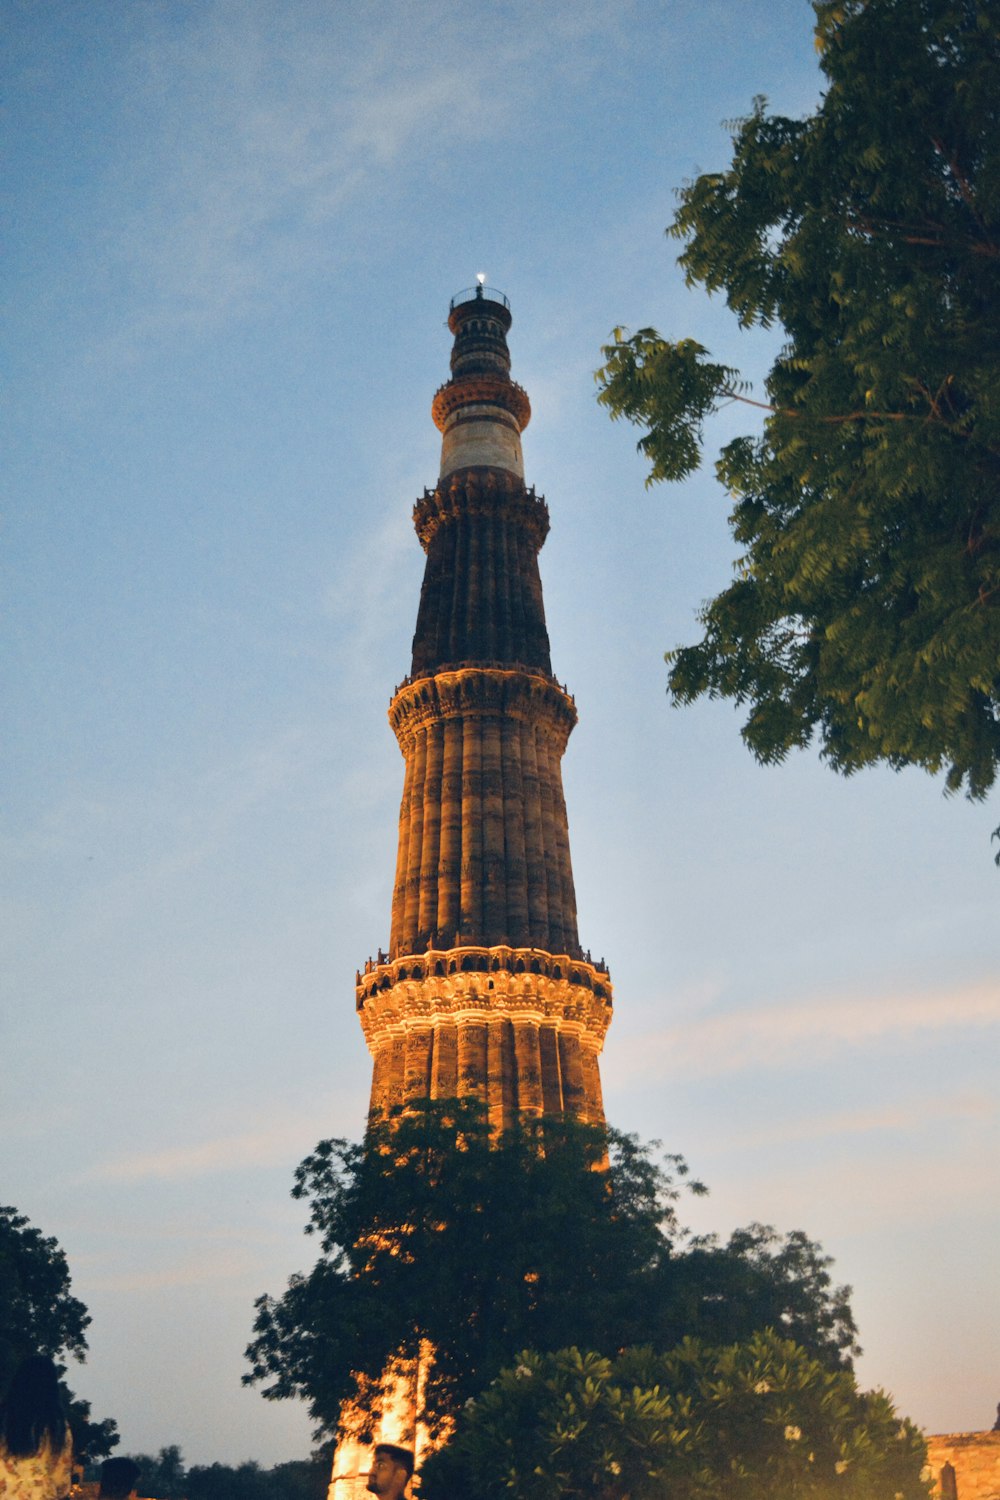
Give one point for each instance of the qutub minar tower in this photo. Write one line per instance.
(485, 990)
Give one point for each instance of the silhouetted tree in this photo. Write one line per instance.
(164, 1477)
(434, 1232)
(40, 1315)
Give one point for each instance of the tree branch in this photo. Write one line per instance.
(858, 416)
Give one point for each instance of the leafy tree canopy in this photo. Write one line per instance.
(757, 1279)
(433, 1232)
(40, 1315)
(161, 1476)
(747, 1421)
(865, 609)
(165, 1477)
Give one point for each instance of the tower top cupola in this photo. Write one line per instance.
(480, 411)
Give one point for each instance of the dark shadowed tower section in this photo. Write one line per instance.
(485, 989)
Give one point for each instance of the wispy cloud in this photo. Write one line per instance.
(127, 848)
(785, 1035)
(890, 1119)
(272, 130)
(255, 144)
(201, 1270)
(247, 1150)
(854, 1194)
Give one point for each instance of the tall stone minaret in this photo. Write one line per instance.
(485, 990)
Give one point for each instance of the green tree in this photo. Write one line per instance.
(92, 1440)
(246, 1481)
(298, 1480)
(433, 1231)
(40, 1315)
(747, 1421)
(302, 1479)
(163, 1476)
(758, 1279)
(865, 608)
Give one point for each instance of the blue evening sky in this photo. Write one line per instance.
(233, 230)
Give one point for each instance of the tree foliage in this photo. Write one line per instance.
(757, 1279)
(164, 1476)
(748, 1421)
(40, 1315)
(300, 1479)
(433, 1232)
(161, 1476)
(865, 609)
(92, 1439)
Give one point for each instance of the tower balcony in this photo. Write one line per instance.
(518, 1028)
(578, 969)
(480, 293)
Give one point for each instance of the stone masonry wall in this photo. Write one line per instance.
(975, 1459)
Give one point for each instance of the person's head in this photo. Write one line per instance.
(118, 1478)
(32, 1410)
(391, 1471)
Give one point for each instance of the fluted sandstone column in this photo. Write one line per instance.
(494, 917)
(403, 851)
(536, 879)
(471, 920)
(449, 906)
(417, 1068)
(444, 1074)
(529, 1068)
(414, 842)
(548, 1051)
(514, 854)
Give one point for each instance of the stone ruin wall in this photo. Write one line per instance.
(974, 1458)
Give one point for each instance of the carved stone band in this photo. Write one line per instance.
(496, 390)
(481, 491)
(483, 692)
(493, 995)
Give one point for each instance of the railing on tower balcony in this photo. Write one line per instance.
(578, 968)
(478, 294)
